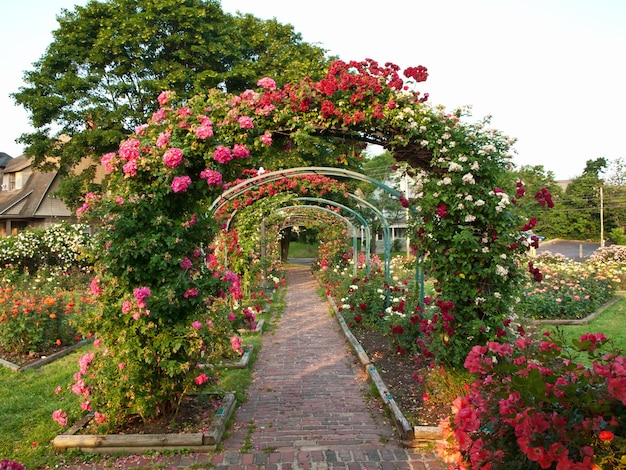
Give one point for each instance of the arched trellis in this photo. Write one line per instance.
(368, 233)
(325, 209)
(267, 177)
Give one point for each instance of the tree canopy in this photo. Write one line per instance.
(109, 60)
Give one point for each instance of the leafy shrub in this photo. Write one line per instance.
(533, 406)
(59, 246)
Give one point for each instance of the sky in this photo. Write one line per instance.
(550, 73)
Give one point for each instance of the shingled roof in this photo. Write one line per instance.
(33, 199)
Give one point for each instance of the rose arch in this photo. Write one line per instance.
(157, 274)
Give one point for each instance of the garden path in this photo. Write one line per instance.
(307, 405)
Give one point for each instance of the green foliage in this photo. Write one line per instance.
(535, 178)
(109, 60)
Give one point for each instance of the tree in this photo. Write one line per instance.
(109, 60)
(578, 218)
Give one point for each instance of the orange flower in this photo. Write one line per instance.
(58, 342)
(49, 301)
(53, 315)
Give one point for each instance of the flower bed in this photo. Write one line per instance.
(568, 290)
(184, 432)
(35, 325)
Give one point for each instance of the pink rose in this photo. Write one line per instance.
(180, 184)
(222, 154)
(267, 83)
(173, 157)
(60, 417)
(202, 378)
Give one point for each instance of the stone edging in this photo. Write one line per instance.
(242, 363)
(139, 443)
(412, 436)
(44, 360)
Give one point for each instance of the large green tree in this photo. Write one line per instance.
(578, 217)
(109, 60)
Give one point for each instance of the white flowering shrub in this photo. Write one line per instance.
(58, 247)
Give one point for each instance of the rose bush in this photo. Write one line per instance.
(155, 260)
(533, 405)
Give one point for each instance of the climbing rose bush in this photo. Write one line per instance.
(534, 405)
(155, 264)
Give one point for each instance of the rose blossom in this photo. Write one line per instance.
(267, 83)
(212, 177)
(60, 417)
(180, 184)
(222, 154)
(173, 157)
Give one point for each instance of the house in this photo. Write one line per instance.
(27, 197)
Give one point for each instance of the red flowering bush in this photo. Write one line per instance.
(533, 405)
(34, 322)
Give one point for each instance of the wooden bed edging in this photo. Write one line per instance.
(140, 443)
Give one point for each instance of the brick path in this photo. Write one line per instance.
(306, 407)
(307, 401)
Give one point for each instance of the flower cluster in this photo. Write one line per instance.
(533, 406)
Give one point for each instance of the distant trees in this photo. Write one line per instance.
(577, 211)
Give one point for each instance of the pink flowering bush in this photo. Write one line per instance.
(157, 232)
(533, 405)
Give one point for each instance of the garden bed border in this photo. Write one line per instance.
(45, 359)
(411, 436)
(140, 443)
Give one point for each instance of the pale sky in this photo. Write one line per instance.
(551, 73)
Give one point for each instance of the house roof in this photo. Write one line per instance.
(17, 164)
(5, 158)
(26, 202)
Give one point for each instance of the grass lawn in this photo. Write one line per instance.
(302, 250)
(611, 322)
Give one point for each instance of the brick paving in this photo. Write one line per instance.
(306, 407)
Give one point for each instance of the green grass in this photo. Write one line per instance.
(302, 250)
(28, 399)
(610, 322)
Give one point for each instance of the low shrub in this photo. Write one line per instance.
(533, 406)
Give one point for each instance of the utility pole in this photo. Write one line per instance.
(601, 218)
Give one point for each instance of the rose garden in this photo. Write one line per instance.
(186, 254)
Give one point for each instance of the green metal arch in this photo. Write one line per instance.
(345, 219)
(244, 186)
